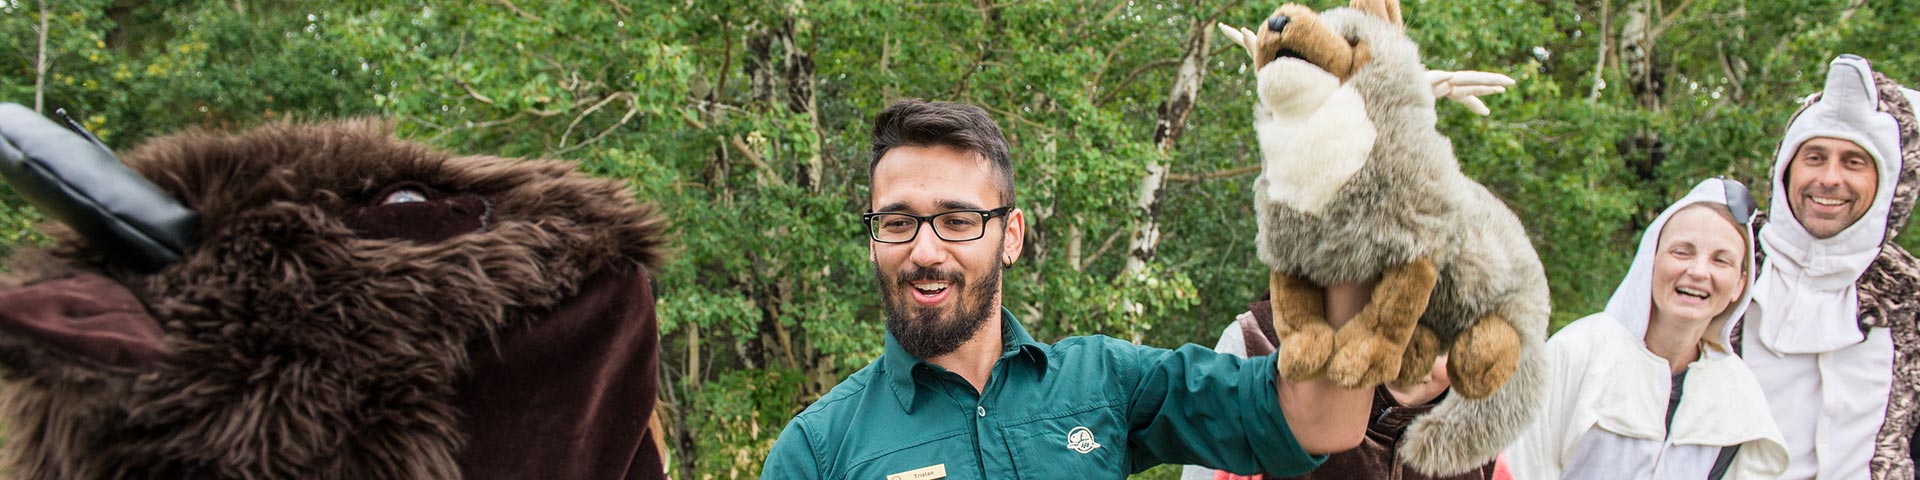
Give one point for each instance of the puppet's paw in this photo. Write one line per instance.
(1304, 352)
(1417, 362)
(1364, 358)
(1483, 357)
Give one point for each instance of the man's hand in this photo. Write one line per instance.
(1430, 388)
(1325, 418)
(1467, 86)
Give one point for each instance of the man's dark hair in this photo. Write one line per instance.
(918, 123)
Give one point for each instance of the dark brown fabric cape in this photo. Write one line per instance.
(570, 397)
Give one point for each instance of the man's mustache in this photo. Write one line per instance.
(1831, 191)
(919, 274)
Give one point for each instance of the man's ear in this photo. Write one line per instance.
(1242, 37)
(1388, 10)
(1016, 237)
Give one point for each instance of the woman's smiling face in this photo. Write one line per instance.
(1698, 268)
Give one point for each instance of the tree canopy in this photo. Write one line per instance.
(1130, 121)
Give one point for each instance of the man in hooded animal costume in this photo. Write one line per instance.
(323, 301)
(1832, 334)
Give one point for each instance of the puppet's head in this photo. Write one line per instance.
(341, 304)
(1302, 57)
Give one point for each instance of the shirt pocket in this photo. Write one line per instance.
(953, 453)
(1089, 442)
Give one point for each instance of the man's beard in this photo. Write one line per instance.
(922, 331)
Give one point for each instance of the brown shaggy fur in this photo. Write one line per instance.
(295, 348)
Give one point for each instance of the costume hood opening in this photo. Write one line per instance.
(1849, 108)
(1632, 302)
(1818, 312)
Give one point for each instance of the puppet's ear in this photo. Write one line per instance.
(85, 318)
(1388, 10)
(1242, 37)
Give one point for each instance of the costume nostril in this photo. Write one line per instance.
(1276, 24)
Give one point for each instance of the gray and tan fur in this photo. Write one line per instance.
(1403, 205)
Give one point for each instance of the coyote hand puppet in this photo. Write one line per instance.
(1357, 185)
(322, 301)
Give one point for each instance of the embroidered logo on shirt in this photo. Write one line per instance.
(1080, 439)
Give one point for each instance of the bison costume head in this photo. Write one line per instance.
(323, 301)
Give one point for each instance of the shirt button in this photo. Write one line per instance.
(981, 410)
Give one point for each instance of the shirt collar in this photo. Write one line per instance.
(900, 364)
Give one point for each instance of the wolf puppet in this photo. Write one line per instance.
(1357, 185)
(323, 301)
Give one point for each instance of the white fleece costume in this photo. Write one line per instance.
(1607, 395)
(1827, 364)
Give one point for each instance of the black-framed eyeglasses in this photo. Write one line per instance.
(952, 226)
(1739, 200)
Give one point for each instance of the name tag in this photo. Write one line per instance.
(935, 472)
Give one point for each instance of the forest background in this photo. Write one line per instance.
(1130, 121)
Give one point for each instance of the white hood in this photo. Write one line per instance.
(1806, 292)
(1632, 302)
(1605, 416)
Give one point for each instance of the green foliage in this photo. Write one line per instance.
(743, 412)
(18, 223)
(746, 122)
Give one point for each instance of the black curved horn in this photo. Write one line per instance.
(81, 183)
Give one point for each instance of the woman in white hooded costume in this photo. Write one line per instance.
(1649, 388)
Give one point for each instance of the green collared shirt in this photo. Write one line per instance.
(1086, 407)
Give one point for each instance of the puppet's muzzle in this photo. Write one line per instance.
(78, 181)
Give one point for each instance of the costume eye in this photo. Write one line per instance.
(405, 195)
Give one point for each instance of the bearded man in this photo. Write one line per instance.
(964, 392)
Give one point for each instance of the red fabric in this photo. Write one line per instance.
(569, 398)
(86, 315)
(1500, 471)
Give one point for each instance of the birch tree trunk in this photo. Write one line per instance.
(40, 65)
(1145, 237)
(1638, 49)
(1606, 44)
(1646, 79)
(1734, 67)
